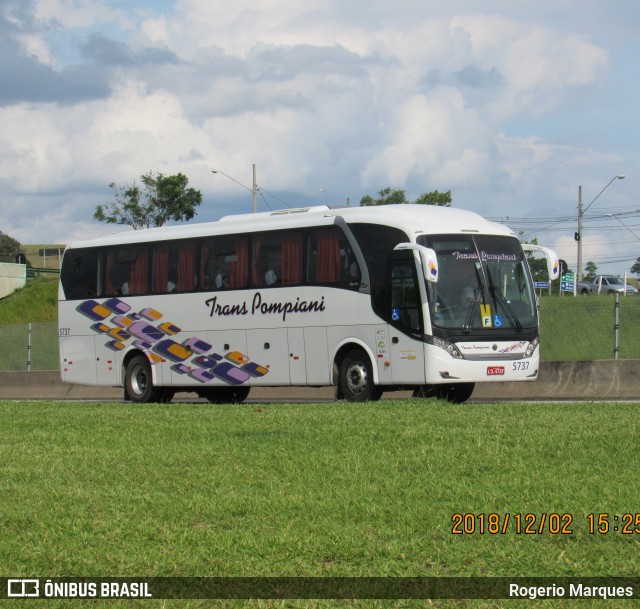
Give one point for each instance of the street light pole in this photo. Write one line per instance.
(578, 235)
(253, 190)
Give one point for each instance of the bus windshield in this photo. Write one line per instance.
(483, 283)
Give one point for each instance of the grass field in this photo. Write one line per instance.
(332, 489)
(37, 302)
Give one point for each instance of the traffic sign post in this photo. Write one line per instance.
(567, 283)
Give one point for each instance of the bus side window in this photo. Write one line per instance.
(79, 273)
(327, 255)
(377, 243)
(223, 263)
(127, 271)
(277, 258)
(160, 268)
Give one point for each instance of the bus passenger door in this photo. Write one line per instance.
(406, 328)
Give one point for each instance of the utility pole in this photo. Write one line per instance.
(579, 237)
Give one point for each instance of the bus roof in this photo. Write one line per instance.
(413, 219)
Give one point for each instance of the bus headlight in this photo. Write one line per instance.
(450, 348)
(532, 347)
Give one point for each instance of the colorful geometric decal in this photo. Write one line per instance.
(193, 357)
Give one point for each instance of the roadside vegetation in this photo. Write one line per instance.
(37, 302)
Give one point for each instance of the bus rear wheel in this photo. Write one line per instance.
(138, 383)
(355, 379)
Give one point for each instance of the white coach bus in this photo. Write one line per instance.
(367, 299)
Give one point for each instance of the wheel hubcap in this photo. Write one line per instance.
(139, 381)
(357, 377)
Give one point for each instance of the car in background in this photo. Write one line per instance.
(584, 288)
(606, 284)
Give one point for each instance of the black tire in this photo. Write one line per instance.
(225, 395)
(355, 378)
(425, 392)
(456, 393)
(164, 395)
(138, 384)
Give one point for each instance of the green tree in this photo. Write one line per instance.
(442, 199)
(590, 271)
(162, 198)
(9, 248)
(390, 196)
(635, 269)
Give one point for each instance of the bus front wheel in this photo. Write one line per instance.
(138, 384)
(356, 378)
(456, 393)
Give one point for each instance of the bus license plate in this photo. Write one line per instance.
(495, 370)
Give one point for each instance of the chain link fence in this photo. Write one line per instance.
(586, 328)
(571, 329)
(29, 347)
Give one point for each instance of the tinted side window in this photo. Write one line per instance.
(224, 263)
(330, 259)
(79, 273)
(277, 259)
(377, 242)
(127, 271)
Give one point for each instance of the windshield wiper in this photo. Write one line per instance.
(477, 291)
(499, 296)
(468, 318)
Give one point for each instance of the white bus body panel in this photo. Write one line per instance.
(244, 329)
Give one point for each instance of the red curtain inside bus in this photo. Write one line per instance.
(140, 273)
(187, 267)
(238, 267)
(328, 256)
(160, 269)
(291, 265)
(109, 290)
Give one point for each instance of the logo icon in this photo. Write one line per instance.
(23, 588)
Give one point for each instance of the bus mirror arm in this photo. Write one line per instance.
(428, 259)
(553, 264)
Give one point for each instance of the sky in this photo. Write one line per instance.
(510, 105)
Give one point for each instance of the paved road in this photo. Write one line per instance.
(601, 380)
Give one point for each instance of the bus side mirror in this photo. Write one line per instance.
(428, 259)
(553, 263)
(429, 264)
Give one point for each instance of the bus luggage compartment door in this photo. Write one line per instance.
(297, 362)
(268, 348)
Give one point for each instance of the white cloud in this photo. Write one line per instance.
(349, 96)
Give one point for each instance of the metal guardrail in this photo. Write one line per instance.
(33, 271)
